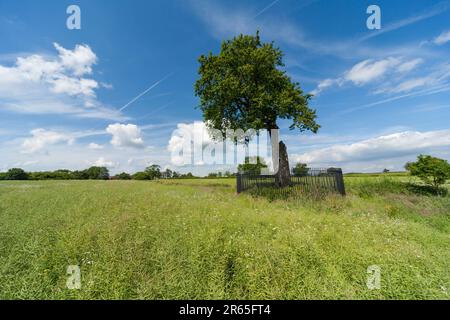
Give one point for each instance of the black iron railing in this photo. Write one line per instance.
(312, 181)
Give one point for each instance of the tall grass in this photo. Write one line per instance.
(197, 239)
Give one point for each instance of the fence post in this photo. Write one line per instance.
(340, 182)
(339, 179)
(239, 183)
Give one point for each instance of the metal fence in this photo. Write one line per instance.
(329, 180)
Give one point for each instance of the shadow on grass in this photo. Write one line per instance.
(368, 188)
(426, 190)
(289, 193)
(363, 189)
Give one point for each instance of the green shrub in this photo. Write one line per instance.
(432, 171)
(16, 174)
(123, 176)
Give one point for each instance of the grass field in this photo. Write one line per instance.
(196, 239)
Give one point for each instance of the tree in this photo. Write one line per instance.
(123, 176)
(433, 171)
(16, 174)
(140, 176)
(97, 173)
(167, 174)
(187, 176)
(386, 171)
(175, 175)
(243, 87)
(252, 165)
(153, 172)
(300, 170)
(80, 175)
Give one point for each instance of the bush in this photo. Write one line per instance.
(141, 176)
(123, 176)
(16, 174)
(432, 171)
(97, 173)
(153, 172)
(252, 165)
(80, 175)
(300, 170)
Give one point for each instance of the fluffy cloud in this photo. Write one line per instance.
(42, 138)
(79, 60)
(73, 87)
(381, 149)
(43, 85)
(125, 135)
(63, 74)
(443, 38)
(101, 162)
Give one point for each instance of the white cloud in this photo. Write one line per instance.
(369, 70)
(433, 79)
(383, 149)
(79, 60)
(73, 86)
(101, 162)
(42, 138)
(125, 135)
(324, 84)
(410, 84)
(95, 146)
(443, 38)
(38, 84)
(409, 65)
(62, 74)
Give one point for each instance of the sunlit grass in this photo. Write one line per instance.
(197, 239)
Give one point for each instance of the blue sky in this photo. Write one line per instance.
(68, 97)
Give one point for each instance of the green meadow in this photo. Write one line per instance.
(197, 239)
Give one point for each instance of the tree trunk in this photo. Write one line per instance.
(280, 160)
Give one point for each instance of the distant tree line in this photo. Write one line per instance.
(94, 173)
(432, 171)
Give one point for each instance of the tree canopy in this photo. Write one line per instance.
(16, 174)
(244, 87)
(252, 165)
(433, 171)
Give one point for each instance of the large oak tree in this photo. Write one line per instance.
(245, 87)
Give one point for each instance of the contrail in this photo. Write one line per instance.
(266, 8)
(144, 92)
